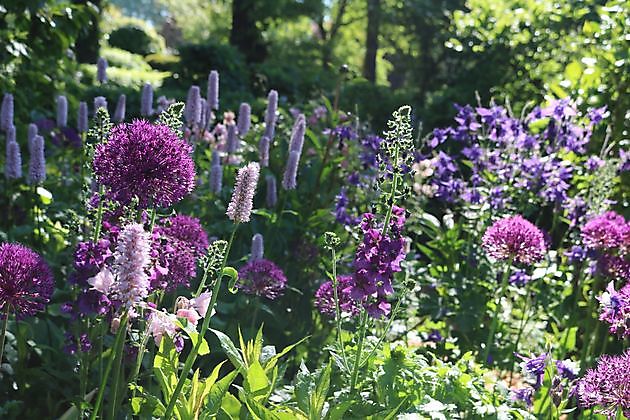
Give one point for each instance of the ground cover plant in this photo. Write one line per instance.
(232, 251)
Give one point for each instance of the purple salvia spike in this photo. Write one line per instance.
(213, 90)
(272, 191)
(146, 104)
(244, 119)
(258, 248)
(233, 143)
(6, 112)
(101, 70)
(263, 151)
(297, 135)
(121, 108)
(62, 111)
(289, 180)
(37, 162)
(240, 208)
(270, 115)
(13, 164)
(100, 102)
(32, 132)
(82, 118)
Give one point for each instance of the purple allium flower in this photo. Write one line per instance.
(216, 173)
(132, 260)
(213, 90)
(617, 267)
(6, 112)
(240, 208)
(37, 162)
(121, 108)
(289, 179)
(192, 110)
(244, 118)
(516, 238)
(100, 102)
(258, 248)
(146, 102)
(62, 111)
(270, 115)
(271, 198)
(82, 118)
(519, 278)
(325, 297)
(101, 70)
(262, 278)
(13, 164)
(147, 161)
(297, 135)
(232, 143)
(606, 231)
(614, 306)
(263, 151)
(534, 367)
(187, 229)
(26, 282)
(523, 394)
(607, 386)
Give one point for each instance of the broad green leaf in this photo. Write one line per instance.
(217, 395)
(256, 382)
(230, 350)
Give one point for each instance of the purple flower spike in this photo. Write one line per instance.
(240, 208)
(121, 105)
(213, 90)
(270, 115)
(244, 119)
(37, 163)
(146, 102)
(258, 248)
(289, 180)
(325, 297)
(82, 118)
(271, 198)
(62, 111)
(6, 112)
(13, 164)
(101, 70)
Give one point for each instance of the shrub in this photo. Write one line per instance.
(135, 39)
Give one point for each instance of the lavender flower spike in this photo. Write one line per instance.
(270, 116)
(62, 111)
(10, 132)
(258, 247)
(13, 165)
(297, 134)
(272, 191)
(233, 143)
(6, 112)
(216, 174)
(37, 163)
(82, 118)
(121, 108)
(244, 119)
(263, 151)
(100, 102)
(289, 180)
(146, 103)
(132, 258)
(32, 132)
(192, 112)
(240, 208)
(213, 90)
(101, 70)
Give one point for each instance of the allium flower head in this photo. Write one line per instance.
(240, 208)
(213, 90)
(37, 163)
(6, 112)
(82, 118)
(145, 160)
(132, 260)
(244, 118)
(516, 238)
(262, 278)
(101, 70)
(614, 306)
(146, 102)
(607, 387)
(325, 297)
(606, 231)
(121, 105)
(270, 115)
(26, 282)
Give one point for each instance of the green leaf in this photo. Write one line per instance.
(230, 350)
(217, 394)
(233, 275)
(256, 382)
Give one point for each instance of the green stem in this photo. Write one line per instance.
(192, 356)
(5, 325)
(143, 346)
(357, 358)
(495, 315)
(521, 327)
(204, 278)
(99, 215)
(392, 195)
(117, 343)
(337, 308)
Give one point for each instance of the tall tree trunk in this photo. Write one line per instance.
(245, 34)
(371, 39)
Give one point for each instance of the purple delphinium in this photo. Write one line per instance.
(523, 394)
(262, 278)
(371, 146)
(325, 297)
(240, 208)
(607, 387)
(147, 161)
(26, 281)
(534, 367)
(514, 238)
